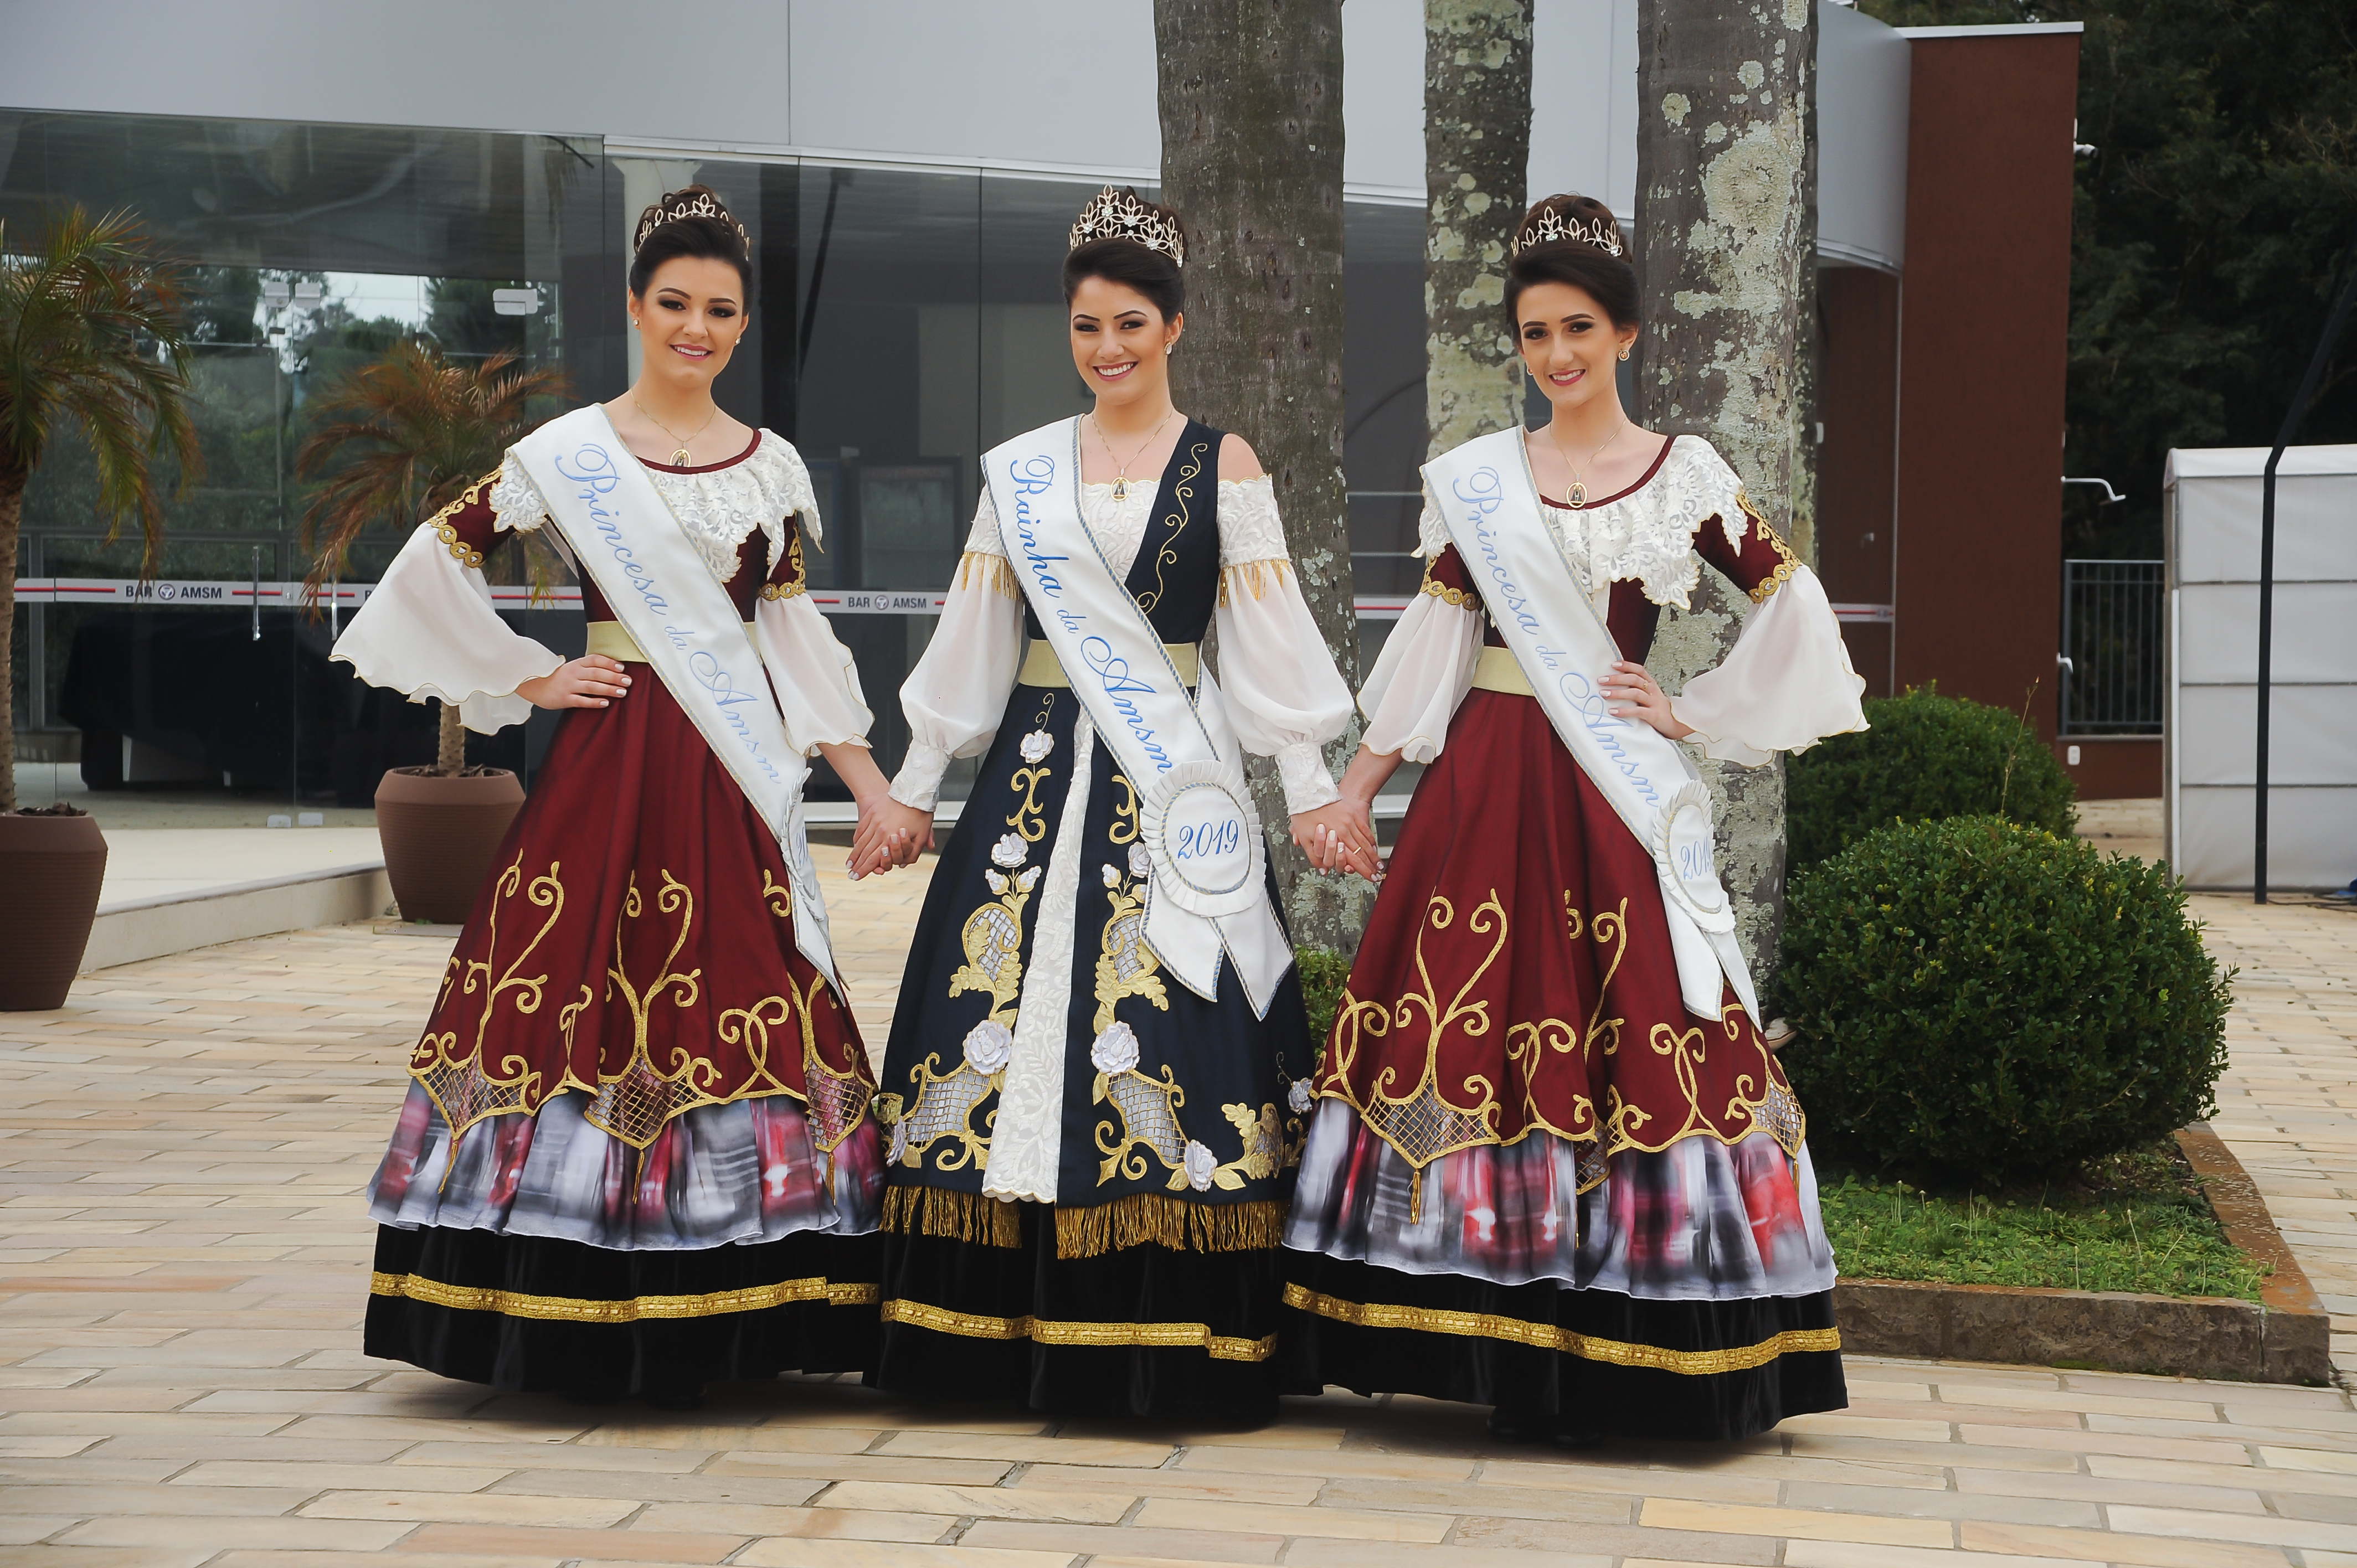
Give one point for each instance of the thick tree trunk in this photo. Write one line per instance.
(1723, 95)
(12, 517)
(1477, 154)
(1251, 96)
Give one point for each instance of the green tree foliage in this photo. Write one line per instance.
(1984, 1002)
(2208, 225)
(1925, 758)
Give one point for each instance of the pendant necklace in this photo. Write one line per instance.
(1120, 470)
(679, 456)
(1576, 497)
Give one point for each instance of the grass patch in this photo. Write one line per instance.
(2131, 1222)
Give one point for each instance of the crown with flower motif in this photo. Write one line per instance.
(699, 205)
(1120, 215)
(1551, 225)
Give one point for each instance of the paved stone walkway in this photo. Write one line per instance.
(184, 1256)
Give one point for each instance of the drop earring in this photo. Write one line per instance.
(1171, 347)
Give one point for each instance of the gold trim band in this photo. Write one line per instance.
(1041, 666)
(1547, 1336)
(610, 638)
(1498, 671)
(1157, 1336)
(628, 1309)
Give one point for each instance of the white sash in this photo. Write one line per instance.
(1209, 892)
(622, 533)
(1485, 492)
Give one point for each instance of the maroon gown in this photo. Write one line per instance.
(663, 1171)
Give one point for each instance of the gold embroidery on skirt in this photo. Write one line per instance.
(1157, 1336)
(456, 1081)
(636, 1103)
(1149, 1117)
(1152, 1218)
(624, 1309)
(782, 898)
(943, 1108)
(958, 1216)
(1125, 966)
(1548, 1337)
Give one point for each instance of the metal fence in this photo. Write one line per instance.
(2111, 630)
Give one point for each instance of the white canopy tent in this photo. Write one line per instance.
(2211, 532)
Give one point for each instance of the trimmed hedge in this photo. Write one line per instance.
(1981, 1001)
(1927, 756)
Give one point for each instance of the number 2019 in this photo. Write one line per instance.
(1210, 839)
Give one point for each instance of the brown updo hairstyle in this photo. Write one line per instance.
(1575, 258)
(712, 234)
(1133, 265)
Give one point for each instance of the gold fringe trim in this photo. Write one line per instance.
(1256, 577)
(1157, 1336)
(956, 1216)
(995, 573)
(630, 1309)
(1547, 1336)
(1150, 1218)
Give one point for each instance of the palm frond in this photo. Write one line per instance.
(93, 336)
(402, 438)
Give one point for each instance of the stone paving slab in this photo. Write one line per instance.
(183, 1266)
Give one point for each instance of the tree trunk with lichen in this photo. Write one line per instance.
(1251, 99)
(1477, 154)
(1723, 95)
(12, 517)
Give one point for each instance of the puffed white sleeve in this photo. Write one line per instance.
(429, 629)
(1784, 686)
(1426, 664)
(1284, 694)
(816, 679)
(956, 694)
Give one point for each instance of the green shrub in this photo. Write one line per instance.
(1928, 756)
(1323, 975)
(1987, 1002)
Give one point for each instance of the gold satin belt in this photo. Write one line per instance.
(608, 638)
(1498, 671)
(1041, 667)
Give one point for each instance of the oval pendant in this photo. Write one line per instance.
(1578, 496)
(1121, 488)
(679, 458)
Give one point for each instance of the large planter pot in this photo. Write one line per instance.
(441, 836)
(50, 869)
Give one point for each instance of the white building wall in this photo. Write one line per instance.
(2211, 530)
(1038, 85)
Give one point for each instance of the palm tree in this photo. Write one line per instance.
(399, 439)
(1726, 258)
(91, 338)
(1251, 101)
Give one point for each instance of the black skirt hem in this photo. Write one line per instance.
(1575, 1360)
(534, 1315)
(1145, 1330)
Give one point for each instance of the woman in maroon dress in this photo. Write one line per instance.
(1540, 1177)
(636, 1154)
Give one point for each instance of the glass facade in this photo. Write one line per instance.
(904, 321)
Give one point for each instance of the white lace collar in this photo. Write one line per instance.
(718, 508)
(1646, 534)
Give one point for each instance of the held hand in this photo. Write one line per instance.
(1339, 837)
(890, 835)
(1630, 685)
(592, 681)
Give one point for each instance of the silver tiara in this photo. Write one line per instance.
(1120, 215)
(700, 204)
(1551, 226)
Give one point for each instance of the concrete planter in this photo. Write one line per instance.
(50, 872)
(2284, 1338)
(441, 836)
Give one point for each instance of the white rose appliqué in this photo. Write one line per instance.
(1036, 745)
(1298, 1096)
(987, 1046)
(1199, 1163)
(1010, 850)
(1115, 1050)
(1140, 863)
